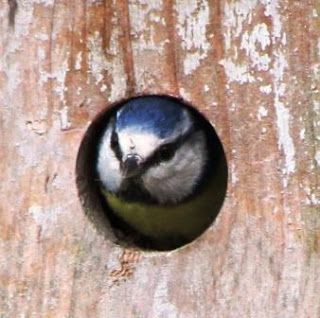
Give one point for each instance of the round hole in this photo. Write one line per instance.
(151, 173)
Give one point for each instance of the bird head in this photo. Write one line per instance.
(152, 145)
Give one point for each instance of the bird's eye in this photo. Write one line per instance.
(166, 153)
(114, 143)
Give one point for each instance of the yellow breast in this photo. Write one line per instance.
(184, 221)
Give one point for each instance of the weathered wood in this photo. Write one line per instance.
(252, 67)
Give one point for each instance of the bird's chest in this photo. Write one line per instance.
(163, 223)
(133, 190)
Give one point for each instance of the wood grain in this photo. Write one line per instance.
(252, 67)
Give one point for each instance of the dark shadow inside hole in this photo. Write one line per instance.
(96, 207)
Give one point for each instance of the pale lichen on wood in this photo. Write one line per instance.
(193, 18)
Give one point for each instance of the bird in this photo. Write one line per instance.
(161, 170)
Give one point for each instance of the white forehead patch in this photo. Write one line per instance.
(137, 142)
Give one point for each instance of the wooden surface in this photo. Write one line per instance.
(252, 67)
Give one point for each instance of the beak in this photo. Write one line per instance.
(131, 165)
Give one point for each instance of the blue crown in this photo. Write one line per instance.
(155, 114)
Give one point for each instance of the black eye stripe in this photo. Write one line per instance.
(172, 147)
(114, 144)
(166, 152)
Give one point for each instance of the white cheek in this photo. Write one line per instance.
(108, 165)
(174, 180)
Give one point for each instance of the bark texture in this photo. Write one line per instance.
(252, 67)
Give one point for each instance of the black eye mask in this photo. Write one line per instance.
(167, 151)
(114, 144)
(164, 153)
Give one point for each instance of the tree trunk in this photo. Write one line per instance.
(252, 67)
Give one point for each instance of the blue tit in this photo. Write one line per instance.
(161, 171)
